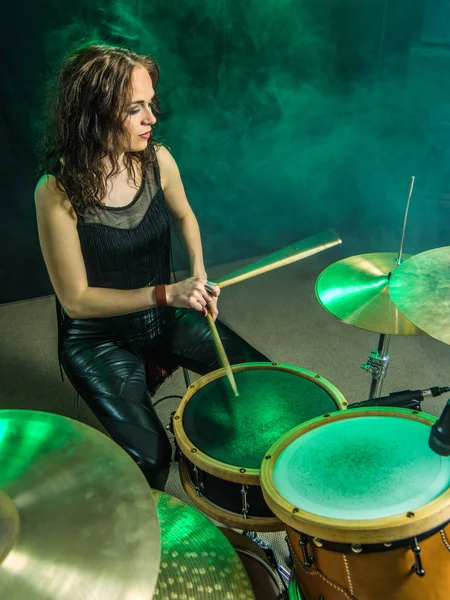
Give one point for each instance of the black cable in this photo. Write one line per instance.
(165, 398)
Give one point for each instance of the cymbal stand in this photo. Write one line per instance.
(378, 361)
(377, 364)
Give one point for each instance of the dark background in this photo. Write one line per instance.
(285, 117)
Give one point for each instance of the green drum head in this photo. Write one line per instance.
(361, 468)
(239, 430)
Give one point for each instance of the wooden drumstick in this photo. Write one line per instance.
(222, 355)
(286, 256)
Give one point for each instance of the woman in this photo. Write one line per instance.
(104, 204)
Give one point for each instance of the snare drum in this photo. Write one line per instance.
(366, 505)
(223, 438)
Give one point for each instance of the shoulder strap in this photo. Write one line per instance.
(156, 172)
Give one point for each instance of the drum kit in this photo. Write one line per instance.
(362, 495)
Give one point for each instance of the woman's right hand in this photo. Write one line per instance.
(190, 293)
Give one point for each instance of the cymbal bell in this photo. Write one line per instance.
(197, 560)
(356, 291)
(420, 287)
(77, 517)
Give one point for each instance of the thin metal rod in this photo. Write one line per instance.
(411, 187)
(383, 345)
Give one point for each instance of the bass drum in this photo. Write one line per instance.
(366, 505)
(223, 438)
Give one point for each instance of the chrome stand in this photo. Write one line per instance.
(377, 364)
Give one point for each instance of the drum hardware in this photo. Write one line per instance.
(350, 549)
(303, 543)
(252, 535)
(245, 504)
(169, 427)
(284, 573)
(260, 563)
(377, 365)
(417, 567)
(405, 399)
(198, 485)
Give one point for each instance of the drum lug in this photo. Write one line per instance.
(307, 560)
(198, 484)
(245, 504)
(417, 567)
(169, 427)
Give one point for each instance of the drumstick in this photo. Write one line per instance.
(293, 253)
(223, 358)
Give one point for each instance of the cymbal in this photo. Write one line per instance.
(420, 287)
(356, 290)
(77, 517)
(197, 560)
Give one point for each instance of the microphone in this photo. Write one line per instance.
(404, 399)
(439, 440)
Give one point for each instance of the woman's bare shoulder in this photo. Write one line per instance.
(49, 195)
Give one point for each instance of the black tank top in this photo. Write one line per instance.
(127, 248)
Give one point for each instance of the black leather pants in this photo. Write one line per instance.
(113, 370)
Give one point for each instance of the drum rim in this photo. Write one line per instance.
(229, 472)
(362, 531)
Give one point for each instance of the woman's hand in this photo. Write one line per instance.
(192, 293)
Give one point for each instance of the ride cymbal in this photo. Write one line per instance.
(197, 560)
(420, 287)
(356, 290)
(77, 517)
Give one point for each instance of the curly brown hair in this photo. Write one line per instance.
(83, 122)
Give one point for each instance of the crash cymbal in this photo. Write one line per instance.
(356, 290)
(77, 517)
(420, 287)
(197, 560)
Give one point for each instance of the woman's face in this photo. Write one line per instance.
(139, 116)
